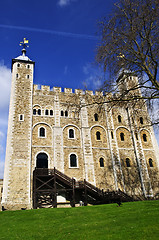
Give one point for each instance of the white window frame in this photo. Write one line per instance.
(73, 132)
(76, 160)
(39, 132)
(22, 117)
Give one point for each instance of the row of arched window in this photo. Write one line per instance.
(122, 136)
(27, 76)
(120, 119)
(47, 112)
(19, 65)
(150, 162)
(42, 161)
(71, 134)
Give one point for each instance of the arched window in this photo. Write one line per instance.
(39, 111)
(96, 117)
(98, 135)
(119, 118)
(128, 162)
(73, 160)
(42, 132)
(71, 133)
(46, 112)
(66, 113)
(51, 112)
(101, 162)
(141, 120)
(18, 65)
(122, 136)
(144, 137)
(150, 162)
(34, 111)
(62, 113)
(42, 160)
(112, 135)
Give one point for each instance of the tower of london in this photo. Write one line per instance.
(54, 136)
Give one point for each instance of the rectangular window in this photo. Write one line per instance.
(21, 117)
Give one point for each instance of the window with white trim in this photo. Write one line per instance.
(71, 133)
(98, 135)
(101, 162)
(21, 117)
(42, 132)
(73, 161)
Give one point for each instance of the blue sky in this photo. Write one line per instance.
(62, 41)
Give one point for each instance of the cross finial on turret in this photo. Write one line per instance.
(24, 45)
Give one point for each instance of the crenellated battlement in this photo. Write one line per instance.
(46, 90)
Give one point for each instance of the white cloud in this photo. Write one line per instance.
(94, 77)
(1, 169)
(63, 3)
(5, 85)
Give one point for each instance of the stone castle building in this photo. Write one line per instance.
(112, 147)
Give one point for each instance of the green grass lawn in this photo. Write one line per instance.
(135, 220)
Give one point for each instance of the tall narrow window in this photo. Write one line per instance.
(73, 160)
(136, 136)
(96, 117)
(98, 135)
(28, 76)
(71, 133)
(66, 113)
(128, 162)
(62, 113)
(101, 162)
(122, 136)
(39, 111)
(21, 117)
(150, 162)
(46, 112)
(112, 135)
(18, 65)
(119, 118)
(17, 75)
(42, 132)
(141, 120)
(34, 111)
(144, 137)
(28, 66)
(51, 112)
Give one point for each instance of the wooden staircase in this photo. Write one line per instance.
(48, 183)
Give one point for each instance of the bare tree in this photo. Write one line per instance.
(130, 41)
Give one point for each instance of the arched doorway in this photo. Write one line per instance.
(42, 160)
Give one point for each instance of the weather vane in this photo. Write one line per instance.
(24, 43)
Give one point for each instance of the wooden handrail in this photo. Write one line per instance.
(105, 195)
